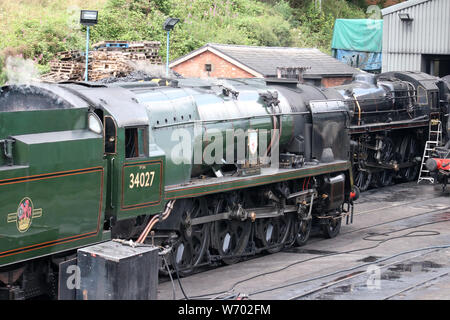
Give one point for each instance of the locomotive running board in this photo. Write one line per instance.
(388, 126)
(201, 187)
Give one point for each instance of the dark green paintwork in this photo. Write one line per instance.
(141, 184)
(59, 165)
(267, 176)
(200, 113)
(119, 205)
(27, 122)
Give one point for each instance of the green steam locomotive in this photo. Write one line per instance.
(213, 171)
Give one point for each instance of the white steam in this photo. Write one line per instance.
(21, 71)
(157, 71)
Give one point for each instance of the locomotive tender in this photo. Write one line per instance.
(85, 163)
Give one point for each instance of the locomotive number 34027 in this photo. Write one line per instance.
(141, 179)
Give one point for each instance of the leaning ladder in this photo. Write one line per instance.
(434, 140)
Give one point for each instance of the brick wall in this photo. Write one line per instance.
(220, 68)
(332, 82)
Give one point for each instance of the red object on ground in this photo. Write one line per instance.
(438, 164)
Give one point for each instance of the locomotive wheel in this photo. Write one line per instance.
(194, 240)
(303, 231)
(409, 150)
(331, 228)
(384, 178)
(274, 232)
(230, 237)
(363, 179)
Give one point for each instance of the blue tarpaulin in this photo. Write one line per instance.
(368, 61)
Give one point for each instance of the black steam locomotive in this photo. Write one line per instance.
(392, 115)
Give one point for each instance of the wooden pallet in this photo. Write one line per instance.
(69, 55)
(110, 59)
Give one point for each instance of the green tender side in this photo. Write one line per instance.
(53, 197)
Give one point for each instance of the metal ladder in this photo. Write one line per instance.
(434, 140)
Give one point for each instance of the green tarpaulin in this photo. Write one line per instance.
(358, 34)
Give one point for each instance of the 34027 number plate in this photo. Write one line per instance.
(141, 184)
(142, 180)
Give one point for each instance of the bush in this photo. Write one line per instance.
(201, 21)
(2, 71)
(316, 27)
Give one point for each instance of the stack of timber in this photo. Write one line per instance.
(108, 59)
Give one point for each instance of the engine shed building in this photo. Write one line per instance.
(416, 37)
(238, 61)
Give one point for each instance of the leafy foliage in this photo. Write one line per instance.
(2, 72)
(38, 29)
(316, 26)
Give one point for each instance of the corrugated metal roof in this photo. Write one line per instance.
(401, 6)
(265, 60)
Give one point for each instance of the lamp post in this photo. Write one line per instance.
(169, 24)
(88, 18)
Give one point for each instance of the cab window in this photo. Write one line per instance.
(422, 96)
(135, 142)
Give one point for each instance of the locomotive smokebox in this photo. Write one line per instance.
(113, 271)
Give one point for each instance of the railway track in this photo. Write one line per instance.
(417, 285)
(421, 215)
(318, 239)
(358, 274)
(347, 277)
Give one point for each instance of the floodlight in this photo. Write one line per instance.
(170, 23)
(89, 17)
(405, 17)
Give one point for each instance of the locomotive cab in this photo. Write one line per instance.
(135, 162)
